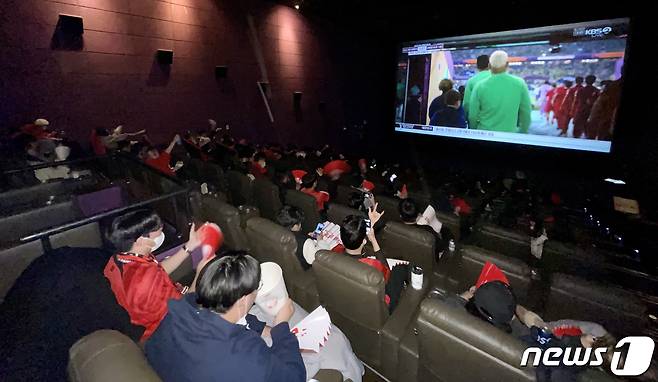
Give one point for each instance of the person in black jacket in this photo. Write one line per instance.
(292, 218)
(209, 335)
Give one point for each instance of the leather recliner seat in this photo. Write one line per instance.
(353, 293)
(307, 204)
(502, 240)
(228, 219)
(410, 243)
(108, 356)
(618, 310)
(336, 213)
(266, 198)
(271, 242)
(390, 206)
(240, 191)
(473, 259)
(456, 346)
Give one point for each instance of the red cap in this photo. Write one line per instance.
(337, 165)
(368, 185)
(490, 272)
(298, 175)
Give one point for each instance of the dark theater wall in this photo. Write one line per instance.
(114, 79)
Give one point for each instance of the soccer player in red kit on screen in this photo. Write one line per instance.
(570, 98)
(582, 106)
(561, 113)
(548, 105)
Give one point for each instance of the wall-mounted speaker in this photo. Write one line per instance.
(221, 71)
(297, 99)
(70, 24)
(165, 56)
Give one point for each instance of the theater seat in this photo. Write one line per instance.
(452, 222)
(391, 207)
(307, 204)
(266, 198)
(13, 261)
(336, 213)
(271, 242)
(109, 356)
(503, 240)
(239, 188)
(88, 236)
(353, 293)
(618, 310)
(227, 217)
(456, 346)
(411, 243)
(343, 194)
(518, 272)
(16, 226)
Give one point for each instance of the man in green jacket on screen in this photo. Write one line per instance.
(502, 101)
(483, 74)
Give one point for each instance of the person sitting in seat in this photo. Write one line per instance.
(160, 160)
(292, 218)
(309, 187)
(140, 283)
(411, 216)
(209, 335)
(355, 234)
(258, 166)
(494, 302)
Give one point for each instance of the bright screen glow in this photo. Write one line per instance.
(556, 86)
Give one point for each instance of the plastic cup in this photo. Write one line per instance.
(272, 293)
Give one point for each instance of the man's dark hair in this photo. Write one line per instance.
(309, 179)
(224, 280)
(289, 216)
(408, 210)
(483, 62)
(126, 229)
(590, 80)
(259, 156)
(353, 231)
(579, 80)
(452, 97)
(568, 83)
(445, 84)
(356, 200)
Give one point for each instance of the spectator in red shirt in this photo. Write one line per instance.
(159, 160)
(140, 283)
(258, 166)
(309, 185)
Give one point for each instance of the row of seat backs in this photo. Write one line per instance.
(14, 260)
(560, 257)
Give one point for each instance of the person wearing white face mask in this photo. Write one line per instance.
(140, 283)
(209, 336)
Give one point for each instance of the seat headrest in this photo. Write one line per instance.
(270, 231)
(614, 297)
(457, 322)
(349, 267)
(504, 233)
(338, 212)
(212, 205)
(505, 263)
(299, 198)
(409, 233)
(265, 184)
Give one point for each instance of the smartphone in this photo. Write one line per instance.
(368, 226)
(367, 201)
(317, 230)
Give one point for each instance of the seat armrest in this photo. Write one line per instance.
(328, 375)
(397, 324)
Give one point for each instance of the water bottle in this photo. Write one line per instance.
(451, 246)
(417, 277)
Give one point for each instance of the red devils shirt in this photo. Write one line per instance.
(161, 163)
(142, 287)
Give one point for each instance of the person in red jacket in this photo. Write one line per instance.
(139, 282)
(561, 112)
(160, 160)
(582, 106)
(258, 166)
(309, 186)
